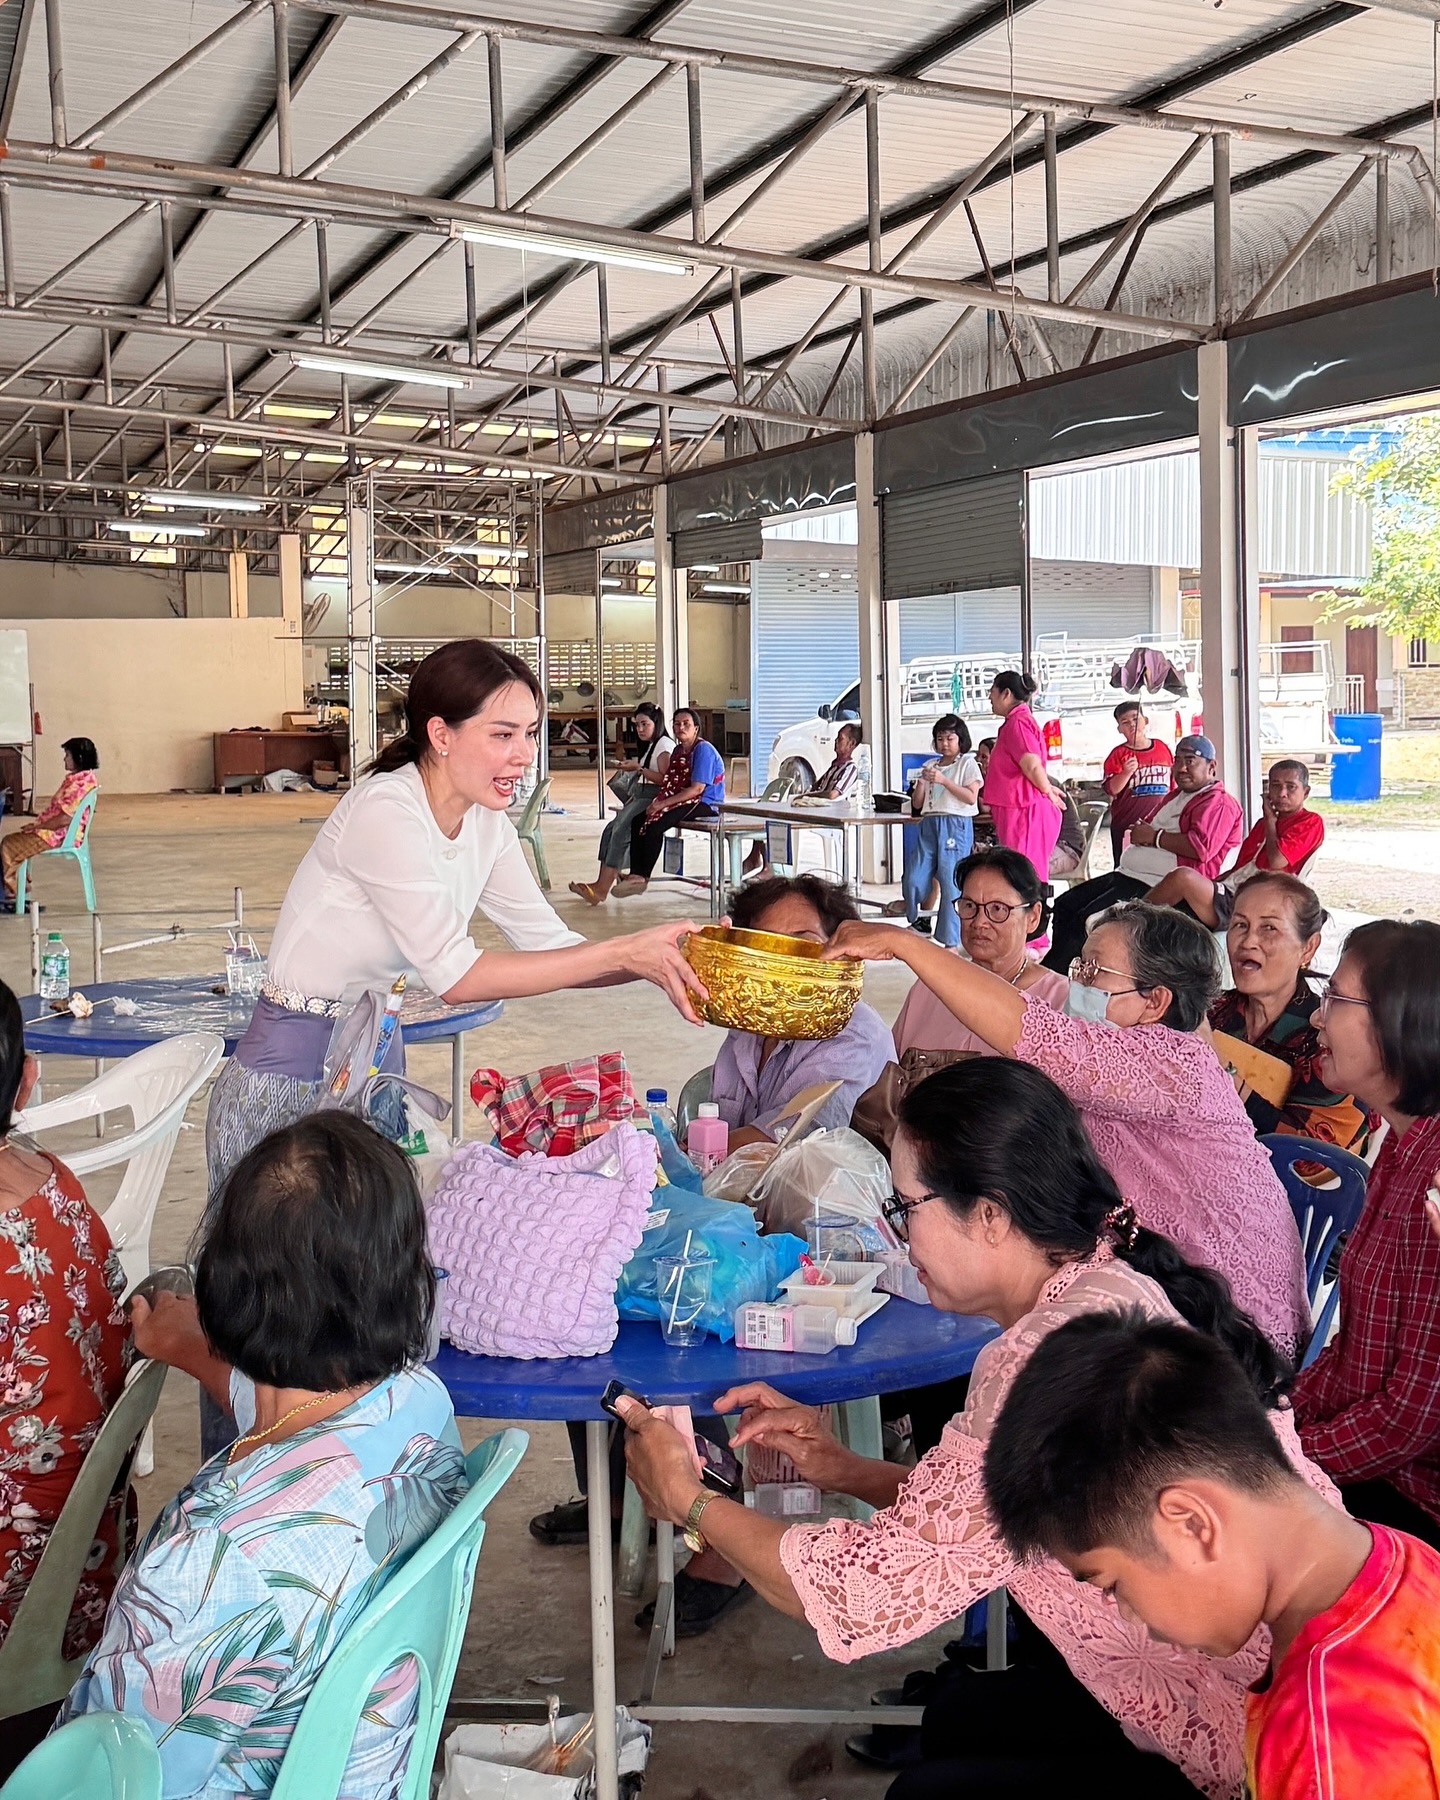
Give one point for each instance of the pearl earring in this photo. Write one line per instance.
(444, 752)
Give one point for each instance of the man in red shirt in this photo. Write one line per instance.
(1196, 827)
(1136, 773)
(1287, 835)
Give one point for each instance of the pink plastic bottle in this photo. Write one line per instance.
(708, 1140)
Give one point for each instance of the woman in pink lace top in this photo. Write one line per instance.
(1160, 1109)
(1031, 1242)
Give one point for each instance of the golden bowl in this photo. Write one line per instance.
(772, 985)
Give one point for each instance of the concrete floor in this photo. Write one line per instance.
(163, 858)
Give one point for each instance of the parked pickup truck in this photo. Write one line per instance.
(1075, 703)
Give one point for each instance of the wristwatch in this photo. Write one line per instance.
(690, 1530)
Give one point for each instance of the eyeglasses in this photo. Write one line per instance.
(1329, 994)
(897, 1210)
(996, 911)
(1084, 969)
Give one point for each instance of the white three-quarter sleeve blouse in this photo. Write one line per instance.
(383, 892)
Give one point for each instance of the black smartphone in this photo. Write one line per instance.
(719, 1467)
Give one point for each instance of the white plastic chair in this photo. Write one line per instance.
(154, 1086)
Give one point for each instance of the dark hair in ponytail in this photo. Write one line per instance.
(1012, 682)
(453, 683)
(976, 1129)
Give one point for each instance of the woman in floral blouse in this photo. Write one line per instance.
(64, 1347)
(82, 759)
(312, 1309)
(1031, 1241)
(1272, 938)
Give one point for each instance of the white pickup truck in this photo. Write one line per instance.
(1075, 703)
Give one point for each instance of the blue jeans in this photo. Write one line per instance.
(940, 842)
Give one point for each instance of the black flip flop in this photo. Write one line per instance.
(698, 1604)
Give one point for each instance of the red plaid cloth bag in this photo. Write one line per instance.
(556, 1110)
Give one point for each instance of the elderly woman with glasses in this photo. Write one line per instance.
(996, 1231)
(1369, 1406)
(1163, 1114)
(1002, 910)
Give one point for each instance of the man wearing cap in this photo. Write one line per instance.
(1196, 827)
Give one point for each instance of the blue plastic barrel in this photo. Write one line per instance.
(1355, 774)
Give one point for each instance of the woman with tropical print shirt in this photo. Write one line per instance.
(348, 1457)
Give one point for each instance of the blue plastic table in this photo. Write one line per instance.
(902, 1346)
(165, 1006)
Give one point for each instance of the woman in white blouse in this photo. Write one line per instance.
(391, 882)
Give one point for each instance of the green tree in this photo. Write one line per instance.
(1401, 486)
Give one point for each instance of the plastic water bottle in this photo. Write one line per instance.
(657, 1104)
(799, 1330)
(55, 969)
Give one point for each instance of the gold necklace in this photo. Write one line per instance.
(252, 1437)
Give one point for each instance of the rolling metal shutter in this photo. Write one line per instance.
(1092, 599)
(571, 571)
(805, 647)
(737, 543)
(948, 540)
(961, 624)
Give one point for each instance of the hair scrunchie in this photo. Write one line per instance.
(1122, 1225)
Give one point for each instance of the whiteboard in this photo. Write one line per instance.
(16, 725)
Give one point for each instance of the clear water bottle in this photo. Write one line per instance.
(55, 969)
(657, 1104)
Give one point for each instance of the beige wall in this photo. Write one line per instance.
(719, 653)
(428, 611)
(152, 691)
(57, 590)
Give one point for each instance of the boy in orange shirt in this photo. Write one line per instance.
(1137, 1453)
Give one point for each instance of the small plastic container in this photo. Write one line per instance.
(834, 1238)
(797, 1330)
(850, 1292)
(786, 1500)
(708, 1141)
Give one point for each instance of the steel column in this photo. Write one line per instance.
(360, 631)
(1052, 211)
(55, 56)
(498, 182)
(1229, 614)
(1224, 273)
(695, 127)
(1382, 221)
(672, 613)
(285, 148)
(872, 218)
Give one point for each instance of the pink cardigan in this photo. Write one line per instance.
(921, 1562)
(1171, 1129)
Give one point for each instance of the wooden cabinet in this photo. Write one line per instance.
(242, 758)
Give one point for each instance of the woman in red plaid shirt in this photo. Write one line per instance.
(1369, 1407)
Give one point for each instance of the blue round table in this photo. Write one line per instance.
(902, 1346)
(165, 1006)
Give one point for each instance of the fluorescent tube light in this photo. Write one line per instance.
(611, 581)
(201, 501)
(146, 529)
(704, 568)
(724, 587)
(343, 365)
(498, 552)
(541, 243)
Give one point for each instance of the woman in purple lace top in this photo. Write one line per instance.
(1159, 1108)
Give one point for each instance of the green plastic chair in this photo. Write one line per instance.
(527, 829)
(421, 1612)
(100, 1756)
(71, 846)
(33, 1670)
(695, 1093)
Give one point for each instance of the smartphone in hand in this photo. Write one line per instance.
(717, 1465)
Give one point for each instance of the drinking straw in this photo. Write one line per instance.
(680, 1278)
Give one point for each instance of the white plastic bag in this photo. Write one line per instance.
(487, 1762)
(835, 1172)
(737, 1176)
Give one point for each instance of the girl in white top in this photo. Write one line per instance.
(946, 796)
(656, 748)
(391, 882)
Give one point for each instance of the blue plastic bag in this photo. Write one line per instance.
(747, 1266)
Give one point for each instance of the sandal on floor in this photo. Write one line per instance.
(587, 892)
(698, 1604)
(628, 885)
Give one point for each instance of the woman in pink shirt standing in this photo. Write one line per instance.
(1022, 803)
(1031, 1241)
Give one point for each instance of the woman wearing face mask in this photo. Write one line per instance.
(1272, 938)
(390, 884)
(1163, 1114)
(999, 1232)
(1369, 1406)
